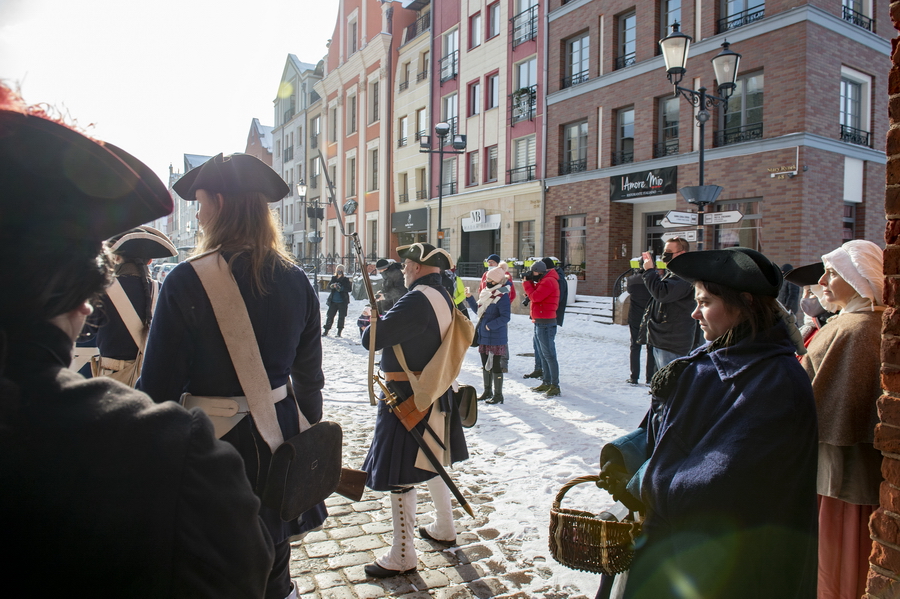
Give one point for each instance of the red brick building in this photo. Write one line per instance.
(799, 152)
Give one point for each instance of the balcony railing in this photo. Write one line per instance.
(422, 75)
(524, 26)
(454, 129)
(573, 166)
(449, 66)
(421, 134)
(736, 135)
(288, 154)
(521, 174)
(574, 79)
(404, 85)
(855, 136)
(421, 194)
(448, 189)
(288, 115)
(421, 25)
(314, 182)
(401, 143)
(404, 197)
(859, 19)
(622, 157)
(666, 148)
(625, 61)
(740, 19)
(522, 104)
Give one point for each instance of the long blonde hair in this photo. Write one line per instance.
(243, 223)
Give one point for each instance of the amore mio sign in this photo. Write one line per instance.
(657, 182)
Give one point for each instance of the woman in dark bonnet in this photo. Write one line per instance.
(103, 490)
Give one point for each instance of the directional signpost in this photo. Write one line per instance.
(681, 219)
(722, 218)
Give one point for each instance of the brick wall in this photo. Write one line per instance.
(884, 570)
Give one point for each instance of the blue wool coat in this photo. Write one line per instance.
(186, 353)
(493, 326)
(729, 486)
(413, 325)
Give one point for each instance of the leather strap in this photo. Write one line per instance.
(237, 330)
(126, 311)
(399, 376)
(444, 318)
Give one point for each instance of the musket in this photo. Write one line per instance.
(390, 398)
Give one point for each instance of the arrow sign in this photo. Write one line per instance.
(681, 219)
(722, 218)
(686, 235)
(665, 222)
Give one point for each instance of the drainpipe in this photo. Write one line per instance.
(544, 130)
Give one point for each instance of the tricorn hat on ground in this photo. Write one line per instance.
(805, 275)
(143, 242)
(232, 174)
(738, 268)
(427, 254)
(59, 184)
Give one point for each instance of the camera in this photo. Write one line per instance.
(529, 276)
(526, 301)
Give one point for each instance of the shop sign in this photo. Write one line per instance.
(481, 222)
(659, 181)
(410, 221)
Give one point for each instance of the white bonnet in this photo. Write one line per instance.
(860, 263)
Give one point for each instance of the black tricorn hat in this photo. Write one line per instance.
(806, 275)
(232, 174)
(382, 264)
(738, 268)
(143, 242)
(58, 183)
(427, 254)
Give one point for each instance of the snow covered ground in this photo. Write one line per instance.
(524, 450)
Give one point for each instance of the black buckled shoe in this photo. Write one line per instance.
(373, 570)
(424, 534)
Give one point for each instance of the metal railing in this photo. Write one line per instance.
(666, 148)
(404, 197)
(401, 143)
(288, 154)
(622, 157)
(524, 26)
(454, 129)
(404, 85)
(314, 182)
(522, 104)
(573, 166)
(421, 25)
(421, 134)
(740, 19)
(626, 60)
(288, 115)
(449, 66)
(421, 75)
(448, 189)
(855, 136)
(469, 269)
(521, 174)
(859, 19)
(574, 79)
(736, 135)
(421, 194)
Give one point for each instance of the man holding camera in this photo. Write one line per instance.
(338, 300)
(542, 290)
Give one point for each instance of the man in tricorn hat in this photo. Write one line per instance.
(416, 325)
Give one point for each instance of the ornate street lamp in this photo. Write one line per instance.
(313, 213)
(459, 147)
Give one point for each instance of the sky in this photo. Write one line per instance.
(160, 79)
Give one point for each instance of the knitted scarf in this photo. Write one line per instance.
(488, 296)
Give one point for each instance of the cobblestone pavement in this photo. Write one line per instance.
(328, 564)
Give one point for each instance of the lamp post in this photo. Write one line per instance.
(675, 48)
(442, 130)
(315, 213)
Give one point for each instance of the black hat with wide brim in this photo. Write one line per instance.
(233, 174)
(144, 243)
(806, 275)
(427, 254)
(737, 268)
(60, 184)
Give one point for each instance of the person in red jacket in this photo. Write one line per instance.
(542, 288)
(493, 261)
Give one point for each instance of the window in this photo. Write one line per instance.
(493, 20)
(315, 128)
(422, 184)
(493, 91)
(744, 119)
(849, 221)
(373, 169)
(854, 107)
(475, 30)
(406, 75)
(572, 243)
(421, 123)
(627, 48)
(525, 239)
(474, 98)
(671, 13)
(450, 60)
(654, 231)
(524, 24)
(351, 177)
(491, 164)
(739, 13)
(403, 188)
(373, 102)
(575, 147)
(332, 135)
(524, 160)
(314, 174)
(668, 127)
(854, 11)
(577, 60)
(403, 132)
(524, 99)
(472, 168)
(423, 72)
(624, 137)
(451, 112)
(352, 43)
(373, 238)
(448, 182)
(351, 115)
(744, 233)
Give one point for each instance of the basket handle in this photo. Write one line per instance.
(590, 478)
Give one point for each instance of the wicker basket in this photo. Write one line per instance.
(582, 541)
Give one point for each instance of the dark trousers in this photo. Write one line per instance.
(636, 356)
(279, 584)
(341, 310)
